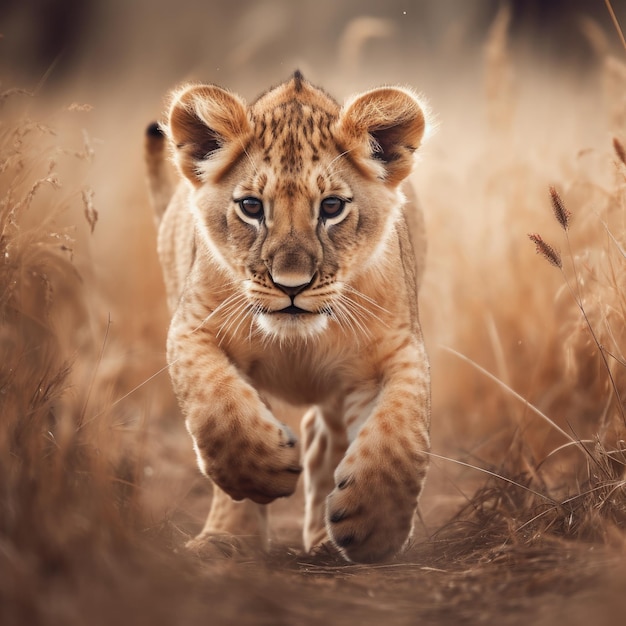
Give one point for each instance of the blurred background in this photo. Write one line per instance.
(92, 46)
(97, 42)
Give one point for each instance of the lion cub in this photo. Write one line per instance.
(290, 274)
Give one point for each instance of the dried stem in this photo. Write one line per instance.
(618, 28)
(563, 216)
(516, 395)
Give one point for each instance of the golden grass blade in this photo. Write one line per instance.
(516, 395)
(81, 419)
(618, 28)
(564, 446)
(613, 239)
(495, 475)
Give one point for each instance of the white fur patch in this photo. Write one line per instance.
(284, 326)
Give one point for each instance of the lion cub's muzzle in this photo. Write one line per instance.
(294, 309)
(292, 291)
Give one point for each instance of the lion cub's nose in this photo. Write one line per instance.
(291, 285)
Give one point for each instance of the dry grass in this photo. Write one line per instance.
(525, 512)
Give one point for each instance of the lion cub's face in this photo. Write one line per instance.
(294, 195)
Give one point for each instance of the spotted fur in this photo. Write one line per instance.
(291, 273)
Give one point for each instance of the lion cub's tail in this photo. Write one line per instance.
(159, 182)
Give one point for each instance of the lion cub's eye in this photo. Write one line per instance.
(251, 207)
(332, 207)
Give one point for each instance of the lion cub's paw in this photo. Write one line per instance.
(209, 547)
(369, 514)
(261, 464)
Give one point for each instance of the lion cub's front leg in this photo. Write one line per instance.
(239, 444)
(370, 511)
(231, 528)
(324, 443)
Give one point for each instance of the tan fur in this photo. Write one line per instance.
(352, 348)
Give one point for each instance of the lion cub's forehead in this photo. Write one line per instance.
(293, 127)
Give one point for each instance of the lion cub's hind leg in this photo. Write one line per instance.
(232, 528)
(324, 443)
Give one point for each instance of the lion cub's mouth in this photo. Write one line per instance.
(292, 322)
(292, 309)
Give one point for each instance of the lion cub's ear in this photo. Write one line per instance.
(208, 127)
(387, 125)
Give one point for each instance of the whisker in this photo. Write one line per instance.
(360, 312)
(245, 151)
(237, 313)
(253, 313)
(246, 312)
(232, 303)
(233, 316)
(351, 289)
(355, 315)
(226, 287)
(336, 159)
(363, 310)
(337, 315)
(224, 306)
(349, 318)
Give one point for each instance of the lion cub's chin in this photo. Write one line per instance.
(286, 326)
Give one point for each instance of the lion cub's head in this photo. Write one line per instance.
(294, 195)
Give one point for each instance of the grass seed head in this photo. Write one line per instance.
(546, 250)
(619, 150)
(561, 213)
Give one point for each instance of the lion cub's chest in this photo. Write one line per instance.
(299, 374)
